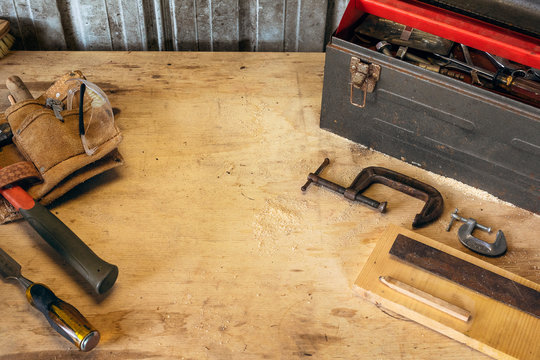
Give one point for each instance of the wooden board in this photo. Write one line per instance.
(494, 328)
(221, 256)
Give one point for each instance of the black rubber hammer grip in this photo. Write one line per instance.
(98, 273)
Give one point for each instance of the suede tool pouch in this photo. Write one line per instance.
(57, 144)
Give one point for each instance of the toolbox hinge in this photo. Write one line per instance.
(364, 77)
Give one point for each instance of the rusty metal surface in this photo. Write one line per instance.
(431, 211)
(199, 25)
(434, 203)
(466, 274)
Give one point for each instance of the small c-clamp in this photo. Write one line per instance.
(494, 249)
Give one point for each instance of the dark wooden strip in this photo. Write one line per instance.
(466, 274)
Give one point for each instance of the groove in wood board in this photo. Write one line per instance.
(426, 298)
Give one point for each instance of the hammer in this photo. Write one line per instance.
(98, 273)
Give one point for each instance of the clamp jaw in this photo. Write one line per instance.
(481, 247)
(432, 209)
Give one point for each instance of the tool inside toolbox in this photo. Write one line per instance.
(451, 59)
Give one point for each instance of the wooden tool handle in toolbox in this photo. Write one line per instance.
(526, 89)
(18, 89)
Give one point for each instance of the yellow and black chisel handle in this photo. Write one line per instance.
(63, 317)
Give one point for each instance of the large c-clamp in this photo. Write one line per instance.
(432, 209)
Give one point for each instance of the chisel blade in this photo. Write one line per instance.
(9, 268)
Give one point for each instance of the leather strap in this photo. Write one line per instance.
(19, 171)
(60, 87)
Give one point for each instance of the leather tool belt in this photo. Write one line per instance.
(47, 157)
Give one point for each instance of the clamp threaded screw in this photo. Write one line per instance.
(455, 216)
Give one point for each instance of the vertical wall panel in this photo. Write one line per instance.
(126, 25)
(336, 8)
(200, 25)
(271, 25)
(86, 24)
(225, 31)
(147, 11)
(94, 24)
(203, 20)
(184, 25)
(312, 23)
(292, 21)
(247, 23)
(26, 25)
(46, 24)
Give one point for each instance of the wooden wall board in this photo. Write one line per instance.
(494, 328)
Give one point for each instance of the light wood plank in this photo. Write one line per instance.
(494, 328)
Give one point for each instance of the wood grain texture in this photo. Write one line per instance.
(221, 256)
(494, 328)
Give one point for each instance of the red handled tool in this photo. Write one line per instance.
(100, 274)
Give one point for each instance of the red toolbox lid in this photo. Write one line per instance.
(477, 34)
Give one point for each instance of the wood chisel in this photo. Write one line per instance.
(62, 317)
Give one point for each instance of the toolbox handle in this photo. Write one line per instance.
(355, 103)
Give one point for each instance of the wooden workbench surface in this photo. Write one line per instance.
(221, 255)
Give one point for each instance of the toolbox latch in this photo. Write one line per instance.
(364, 77)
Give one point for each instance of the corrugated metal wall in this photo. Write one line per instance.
(201, 25)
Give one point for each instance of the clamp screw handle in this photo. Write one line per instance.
(317, 172)
(455, 216)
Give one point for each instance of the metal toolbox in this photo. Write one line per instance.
(441, 124)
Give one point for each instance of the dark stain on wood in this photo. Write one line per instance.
(342, 312)
(467, 274)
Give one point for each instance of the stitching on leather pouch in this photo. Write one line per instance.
(33, 116)
(82, 152)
